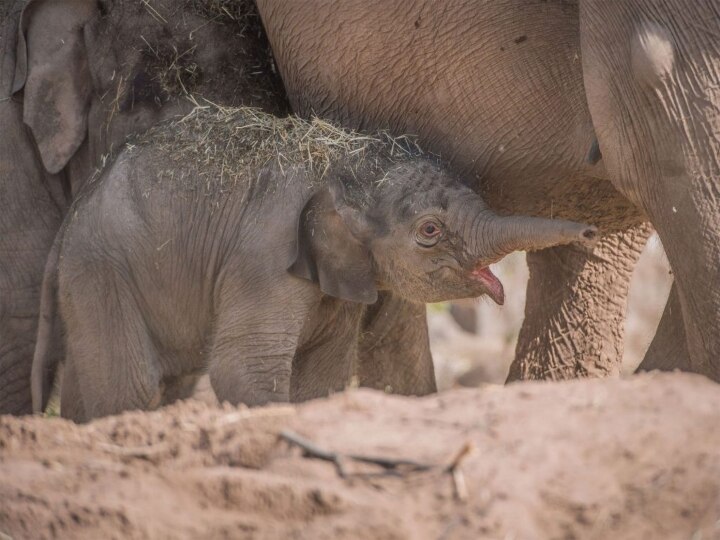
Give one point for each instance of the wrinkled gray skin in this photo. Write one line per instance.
(652, 74)
(74, 82)
(264, 285)
(508, 92)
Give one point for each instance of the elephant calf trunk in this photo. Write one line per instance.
(531, 234)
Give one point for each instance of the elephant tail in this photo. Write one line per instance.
(45, 360)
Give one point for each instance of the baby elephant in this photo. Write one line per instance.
(249, 246)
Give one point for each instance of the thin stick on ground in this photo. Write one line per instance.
(390, 465)
(310, 449)
(460, 490)
(393, 464)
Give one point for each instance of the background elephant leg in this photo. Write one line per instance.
(394, 353)
(465, 315)
(575, 309)
(668, 349)
(30, 215)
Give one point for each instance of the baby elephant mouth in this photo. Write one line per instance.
(490, 283)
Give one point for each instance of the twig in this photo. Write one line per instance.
(389, 464)
(460, 490)
(311, 450)
(393, 464)
(153, 12)
(465, 450)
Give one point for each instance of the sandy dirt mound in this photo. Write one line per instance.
(637, 458)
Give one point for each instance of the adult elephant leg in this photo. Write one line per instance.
(32, 206)
(652, 77)
(394, 352)
(668, 349)
(575, 308)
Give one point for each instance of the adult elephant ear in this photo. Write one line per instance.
(52, 68)
(330, 251)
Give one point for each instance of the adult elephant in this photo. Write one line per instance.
(497, 89)
(77, 77)
(652, 75)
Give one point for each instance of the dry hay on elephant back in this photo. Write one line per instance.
(214, 48)
(610, 458)
(220, 147)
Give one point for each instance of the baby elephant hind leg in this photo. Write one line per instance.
(71, 404)
(112, 359)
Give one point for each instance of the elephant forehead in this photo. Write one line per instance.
(410, 202)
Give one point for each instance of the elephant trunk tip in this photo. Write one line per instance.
(534, 234)
(562, 232)
(589, 235)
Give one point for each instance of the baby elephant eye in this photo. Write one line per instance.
(428, 234)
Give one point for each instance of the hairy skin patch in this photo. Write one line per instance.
(652, 54)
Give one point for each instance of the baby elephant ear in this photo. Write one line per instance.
(329, 254)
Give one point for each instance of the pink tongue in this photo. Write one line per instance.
(492, 284)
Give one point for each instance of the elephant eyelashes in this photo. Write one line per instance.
(428, 234)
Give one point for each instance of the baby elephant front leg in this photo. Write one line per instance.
(252, 354)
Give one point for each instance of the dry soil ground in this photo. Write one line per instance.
(634, 458)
